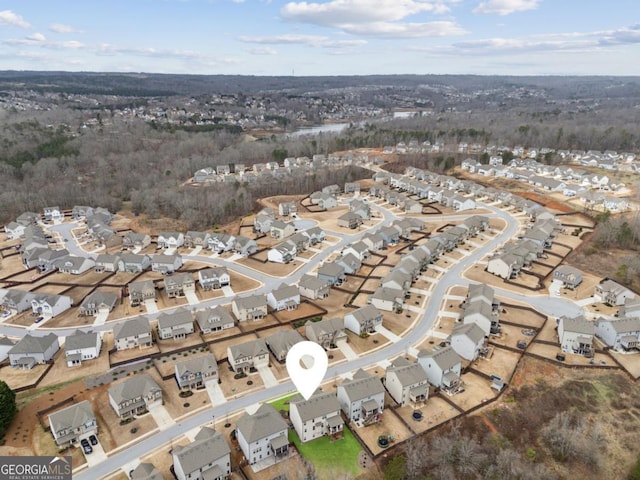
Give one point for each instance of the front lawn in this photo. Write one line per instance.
(282, 403)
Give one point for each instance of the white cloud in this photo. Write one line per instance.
(7, 17)
(311, 40)
(374, 17)
(61, 28)
(264, 50)
(506, 7)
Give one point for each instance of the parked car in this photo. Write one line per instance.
(39, 319)
(86, 448)
(93, 440)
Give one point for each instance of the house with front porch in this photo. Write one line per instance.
(133, 240)
(316, 417)
(141, 291)
(280, 229)
(326, 333)
(106, 262)
(179, 284)
(364, 320)
(74, 423)
(135, 396)
(49, 304)
(284, 297)
(252, 307)
(315, 235)
(245, 246)
(313, 287)
(134, 263)
(81, 346)
(281, 342)
(194, 372)
(406, 382)
(362, 398)
(611, 292)
(248, 356)
(175, 325)
(213, 278)
(53, 214)
(133, 333)
(207, 457)
(194, 239)
(569, 276)
(165, 264)
(283, 252)
(263, 436)
(286, 209)
(170, 239)
(214, 319)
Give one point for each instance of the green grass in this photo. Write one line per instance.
(330, 458)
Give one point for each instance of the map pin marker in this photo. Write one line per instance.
(307, 378)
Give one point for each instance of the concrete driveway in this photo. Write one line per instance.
(161, 417)
(267, 376)
(97, 456)
(215, 392)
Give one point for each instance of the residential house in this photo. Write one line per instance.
(286, 209)
(361, 208)
(482, 314)
(28, 218)
(14, 230)
(390, 236)
(207, 457)
(177, 324)
(352, 187)
(179, 284)
(263, 220)
(245, 246)
(31, 350)
(170, 239)
(315, 235)
(362, 398)
(194, 239)
(358, 249)
(364, 320)
(135, 396)
(134, 263)
(316, 417)
(284, 297)
(576, 335)
(326, 333)
(280, 229)
(5, 345)
(53, 214)
(349, 262)
(194, 372)
(349, 220)
(324, 200)
(50, 305)
(332, 273)
(300, 240)
(16, 300)
(631, 307)
(569, 276)
(619, 333)
(213, 278)
(283, 252)
(443, 367)
(106, 263)
(387, 299)
(166, 264)
(373, 241)
(214, 319)
(133, 333)
(81, 346)
(406, 382)
(608, 291)
(313, 287)
(263, 435)
(460, 203)
(133, 240)
(281, 342)
(505, 265)
(72, 424)
(141, 291)
(252, 307)
(467, 340)
(220, 242)
(248, 356)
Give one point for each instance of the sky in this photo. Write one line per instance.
(323, 37)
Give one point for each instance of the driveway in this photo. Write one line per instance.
(192, 298)
(161, 417)
(151, 306)
(97, 456)
(215, 393)
(101, 317)
(268, 378)
(346, 350)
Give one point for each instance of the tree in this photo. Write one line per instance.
(8, 407)
(396, 469)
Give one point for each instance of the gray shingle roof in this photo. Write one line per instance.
(202, 363)
(283, 340)
(31, 344)
(252, 301)
(132, 388)
(180, 316)
(80, 340)
(208, 446)
(445, 358)
(72, 417)
(132, 327)
(264, 422)
(318, 405)
(362, 385)
(471, 330)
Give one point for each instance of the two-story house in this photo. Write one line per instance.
(170, 239)
(134, 396)
(443, 367)
(166, 264)
(326, 333)
(193, 372)
(248, 356)
(362, 398)
(133, 263)
(313, 287)
(81, 346)
(133, 333)
(141, 291)
(96, 302)
(576, 335)
(178, 284)
(136, 241)
(213, 278)
(252, 307)
(208, 457)
(263, 436)
(284, 297)
(214, 319)
(72, 424)
(31, 350)
(364, 320)
(176, 325)
(281, 342)
(406, 382)
(619, 333)
(316, 417)
(467, 340)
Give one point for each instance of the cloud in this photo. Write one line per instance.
(61, 28)
(311, 40)
(265, 50)
(506, 7)
(7, 17)
(374, 17)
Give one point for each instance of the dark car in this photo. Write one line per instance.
(85, 446)
(93, 440)
(39, 319)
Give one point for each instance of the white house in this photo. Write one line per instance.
(313, 287)
(72, 424)
(362, 398)
(81, 346)
(284, 297)
(31, 350)
(316, 417)
(443, 367)
(406, 382)
(619, 333)
(263, 435)
(576, 335)
(467, 340)
(364, 320)
(612, 292)
(208, 457)
(170, 239)
(50, 305)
